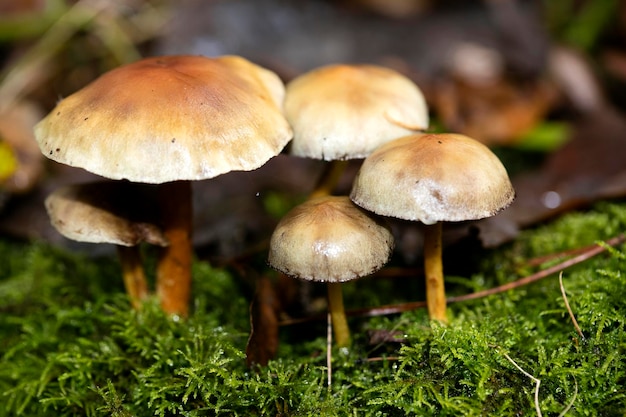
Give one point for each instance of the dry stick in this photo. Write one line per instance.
(569, 310)
(537, 383)
(590, 252)
(554, 256)
(329, 345)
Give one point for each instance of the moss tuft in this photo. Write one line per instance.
(72, 346)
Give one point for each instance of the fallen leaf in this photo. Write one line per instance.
(588, 168)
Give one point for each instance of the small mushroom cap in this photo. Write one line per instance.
(170, 118)
(105, 212)
(346, 111)
(431, 178)
(329, 239)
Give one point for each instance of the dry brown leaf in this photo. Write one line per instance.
(588, 168)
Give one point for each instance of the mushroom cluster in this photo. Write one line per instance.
(341, 112)
(170, 120)
(155, 125)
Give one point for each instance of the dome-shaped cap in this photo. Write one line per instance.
(329, 239)
(105, 212)
(170, 118)
(346, 111)
(431, 178)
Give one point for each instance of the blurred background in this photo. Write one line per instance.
(541, 83)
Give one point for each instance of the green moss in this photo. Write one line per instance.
(71, 345)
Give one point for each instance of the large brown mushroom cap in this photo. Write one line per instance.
(346, 111)
(329, 239)
(170, 118)
(105, 212)
(431, 178)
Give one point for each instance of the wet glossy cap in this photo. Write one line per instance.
(329, 239)
(170, 118)
(431, 178)
(346, 111)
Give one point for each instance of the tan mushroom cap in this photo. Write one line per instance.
(329, 239)
(170, 118)
(104, 212)
(346, 111)
(431, 178)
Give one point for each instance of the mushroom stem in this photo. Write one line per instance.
(338, 314)
(173, 273)
(435, 291)
(329, 179)
(133, 273)
(325, 186)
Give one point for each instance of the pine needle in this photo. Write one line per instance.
(569, 309)
(536, 380)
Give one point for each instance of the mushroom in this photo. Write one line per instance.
(110, 212)
(169, 120)
(342, 111)
(433, 178)
(329, 239)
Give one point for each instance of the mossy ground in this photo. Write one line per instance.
(72, 346)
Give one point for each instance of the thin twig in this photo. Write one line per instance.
(536, 380)
(539, 260)
(569, 310)
(329, 345)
